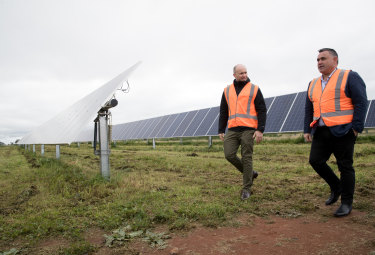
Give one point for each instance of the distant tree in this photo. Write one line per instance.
(2, 144)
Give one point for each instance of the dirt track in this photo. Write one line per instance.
(274, 235)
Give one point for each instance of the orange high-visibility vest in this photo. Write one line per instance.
(241, 108)
(331, 104)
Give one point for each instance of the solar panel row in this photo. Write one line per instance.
(284, 114)
(202, 122)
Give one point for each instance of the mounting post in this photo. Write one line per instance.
(57, 151)
(104, 137)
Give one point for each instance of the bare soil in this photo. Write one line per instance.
(274, 235)
(310, 234)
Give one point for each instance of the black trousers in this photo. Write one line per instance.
(322, 147)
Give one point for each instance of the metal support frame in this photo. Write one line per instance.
(42, 149)
(104, 137)
(57, 151)
(103, 144)
(209, 141)
(153, 143)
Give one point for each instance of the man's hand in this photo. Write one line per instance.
(355, 132)
(221, 136)
(307, 137)
(258, 136)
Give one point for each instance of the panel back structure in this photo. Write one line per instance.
(67, 126)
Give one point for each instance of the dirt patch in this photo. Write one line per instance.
(275, 235)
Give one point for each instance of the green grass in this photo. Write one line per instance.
(175, 185)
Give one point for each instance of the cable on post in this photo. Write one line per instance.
(126, 90)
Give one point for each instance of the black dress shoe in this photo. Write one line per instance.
(255, 174)
(343, 210)
(333, 197)
(245, 194)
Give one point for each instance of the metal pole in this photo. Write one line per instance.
(42, 150)
(104, 148)
(153, 143)
(33, 148)
(57, 151)
(209, 141)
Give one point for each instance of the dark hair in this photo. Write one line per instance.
(331, 51)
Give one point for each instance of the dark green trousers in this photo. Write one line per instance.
(232, 141)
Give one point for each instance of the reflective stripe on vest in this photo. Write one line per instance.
(331, 104)
(237, 117)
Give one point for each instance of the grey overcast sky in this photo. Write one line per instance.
(53, 53)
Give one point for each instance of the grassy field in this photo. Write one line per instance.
(175, 185)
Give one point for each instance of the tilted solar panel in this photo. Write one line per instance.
(185, 123)
(163, 125)
(195, 123)
(269, 102)
(145, 126)
(277, 113)
(370, 119)
(206, 124)
(157, 125)
(215, 125)
(294, 121)
(284, 114)
(135, 131)
(172, 129)
(150, 128)
(129, 130)
(168, 125)
(117, 130)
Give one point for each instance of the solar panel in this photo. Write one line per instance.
(276, 115)
(269, 102)
(138, 126)
(135, 130)
(172, 129)
(284, 114)
(145, 126)
(215, 125)
(295, 120)
(67, 126)
(184, 124)
(163, 125)
(207, 122)
(117, 130)
(130, 131)
(151, 126)
(168, 125)
(195, 123)
(370, 119)
(158, 124)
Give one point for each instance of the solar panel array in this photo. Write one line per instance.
(284, 114)
(203, 122)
